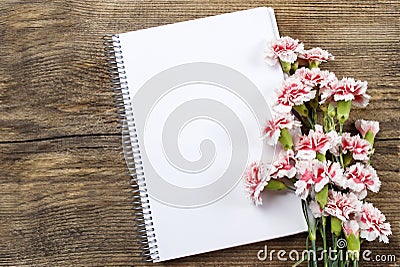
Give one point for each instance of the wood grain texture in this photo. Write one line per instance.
(64, 192)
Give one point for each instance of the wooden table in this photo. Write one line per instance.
(64, 190)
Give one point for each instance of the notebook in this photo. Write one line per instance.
(193, 98)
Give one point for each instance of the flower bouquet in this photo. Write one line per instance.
(327, 168)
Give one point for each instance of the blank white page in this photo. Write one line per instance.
(200, 91)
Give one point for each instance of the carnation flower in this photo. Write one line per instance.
(329, 78)
(361, 178)
(345, 90)
(292, 93)
(304, 184)
(316, 54)
(356, 145)
(284, 49)
(254, 182)
(284, 166)
(311, 77)
(351, 227)
(315, 209)
(342, 206)
(315, 77)
(315, 142)
(335, 141)
(311, 173)
(335, 173)
(364, 126)
(372, 224)
(273, 127)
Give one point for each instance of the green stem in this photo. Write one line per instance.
(312, 124)
(341, 157)
(307, 248)
(311, 234)
(305, 213)
(340, 149)
(334, 246)
(314, 248)
(324, 240)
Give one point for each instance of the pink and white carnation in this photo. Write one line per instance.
(335, 173)
(316, 54)
(315, 142)
(272, 129)
(284, 166)
(255, 182)
(315, 77)
(360, 148)
(284, 49)
(364, 126)
(293, 92)
(372, 224)
(305, 178)
(351, 227)
(335, 142)
(312, 77)
(345, 90)
(342, 206)
(360, 178)
(311, 173)
(329, 78)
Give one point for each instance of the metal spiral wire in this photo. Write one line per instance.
(131, 150)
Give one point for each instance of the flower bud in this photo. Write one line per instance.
(321, 157)
(353, 246)
(336, 226)
(331, 110)
(370, 136)
(286, 66)
(295, 66)
(314, 64)
(351, 231)
(343, 110)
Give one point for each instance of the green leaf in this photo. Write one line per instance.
(302, 110)
(322, 196)
(275, 185)
(286, 139)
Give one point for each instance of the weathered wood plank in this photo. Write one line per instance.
(53, 55)
(66, 201)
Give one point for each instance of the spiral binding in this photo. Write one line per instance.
(131, 151)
